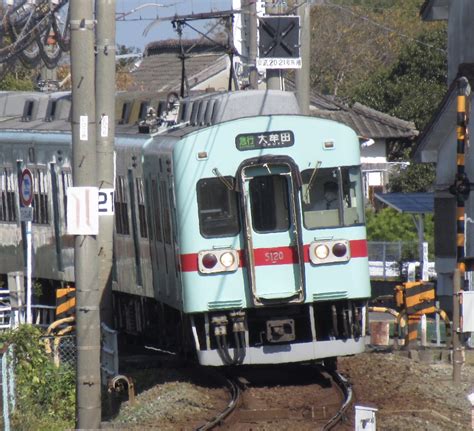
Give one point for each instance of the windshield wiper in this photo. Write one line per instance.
(306, 199)
(223, 180)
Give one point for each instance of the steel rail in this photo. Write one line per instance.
(346, 389)
(235, 393)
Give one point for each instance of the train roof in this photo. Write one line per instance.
(50, 112)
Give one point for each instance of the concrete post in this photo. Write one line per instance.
(105, 119)
(302, 75)
(84, 170)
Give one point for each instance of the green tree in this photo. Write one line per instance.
(415, 177)
(20, 80)
(392, 226)
(352, 40)
(413, 86)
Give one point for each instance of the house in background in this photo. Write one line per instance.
(207, 67)
(437, 143)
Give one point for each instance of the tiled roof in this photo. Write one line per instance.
(367, 122)
(160, 69)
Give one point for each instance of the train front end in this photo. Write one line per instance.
(272, 241)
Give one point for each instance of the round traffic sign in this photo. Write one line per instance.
(26, 188)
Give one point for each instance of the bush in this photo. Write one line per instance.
(45, 394)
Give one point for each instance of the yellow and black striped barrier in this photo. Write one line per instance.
(415, 298)
(65, 302)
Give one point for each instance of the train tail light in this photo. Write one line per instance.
(339, 249)
(321, 252)
(209, 261)
(218, 260)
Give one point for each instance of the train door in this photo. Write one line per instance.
(274, 252)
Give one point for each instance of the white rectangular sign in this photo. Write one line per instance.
(83, 128)
(279, 63)
(26, 213)
(467, 311)
(82, 210)
(104, 126)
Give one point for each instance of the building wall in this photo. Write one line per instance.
(460, 35)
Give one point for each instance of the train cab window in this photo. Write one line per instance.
(332, 197)
(217, 207)
(122, 225)
(7, 201)
(269, 203)
(40, 197)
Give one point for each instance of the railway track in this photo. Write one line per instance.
(299, 397)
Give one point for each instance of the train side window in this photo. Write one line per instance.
(156, 210)
(269, 202)
(7, 202)
(217, 208)
(121, 209)
(166, 212)
(40, 197)
(66, 182)
(353, 198)
(141, 208)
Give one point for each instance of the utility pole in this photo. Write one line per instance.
(302, 75)
(105, 120)
(273, 75)
(251, 7)
(88, 407)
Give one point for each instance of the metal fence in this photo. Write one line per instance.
(61, 349)
(390, 260)
(399, 251)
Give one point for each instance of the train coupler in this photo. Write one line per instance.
(282, 330)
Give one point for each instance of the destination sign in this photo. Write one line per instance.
(257, 141)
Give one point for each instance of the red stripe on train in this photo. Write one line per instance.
(274, 256)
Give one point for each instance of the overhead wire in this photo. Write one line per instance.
(29, 27)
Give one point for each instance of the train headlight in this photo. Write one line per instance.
(321, 251)
(329, 251)
(218, 260)
(227, 259)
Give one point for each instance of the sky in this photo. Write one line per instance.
(130, 31)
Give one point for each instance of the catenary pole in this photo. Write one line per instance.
(105, 120)
(84, 170)
(251, 7)
(302, 75)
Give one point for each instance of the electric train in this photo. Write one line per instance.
(239, 224)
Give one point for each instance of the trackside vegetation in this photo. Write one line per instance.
(45, 394)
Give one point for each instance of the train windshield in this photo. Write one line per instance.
(269, 203)
(217, 206)
(332, 197)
